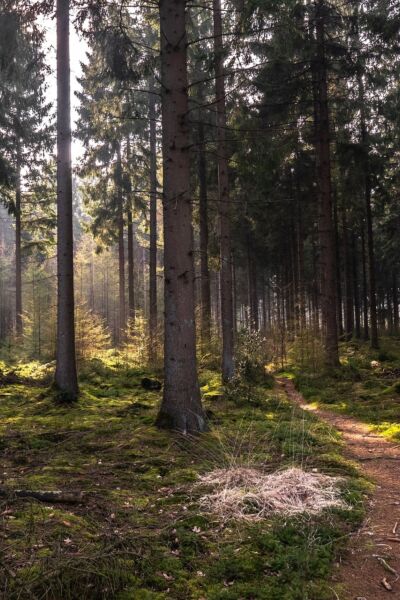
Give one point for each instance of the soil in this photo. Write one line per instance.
(370, 569)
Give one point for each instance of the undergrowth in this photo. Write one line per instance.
(140, 533)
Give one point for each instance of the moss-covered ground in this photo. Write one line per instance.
(139, 534)
(367, 385)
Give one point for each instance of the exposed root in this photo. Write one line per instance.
(250, 494)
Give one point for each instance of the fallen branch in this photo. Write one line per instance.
(45, 496)
(386, 566)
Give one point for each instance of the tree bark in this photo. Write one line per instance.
(325, 220)
(66, 380)
(18, 263)
(224, 201)
(153, 228)
(181, 407)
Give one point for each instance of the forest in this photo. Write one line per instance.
(199, 299)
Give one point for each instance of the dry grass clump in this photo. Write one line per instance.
(249, 494)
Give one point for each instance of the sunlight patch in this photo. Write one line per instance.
(249, 494)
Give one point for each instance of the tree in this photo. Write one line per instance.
(24, 121)
(224, 201)
(181, 407)
(153, 225)
(66, 379)
(325, 220)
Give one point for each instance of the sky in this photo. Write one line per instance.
(78, 48)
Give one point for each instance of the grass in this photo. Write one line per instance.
(366, 386)
(140, 534)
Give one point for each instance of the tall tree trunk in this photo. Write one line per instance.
(18, 263)
(181, 407)
(252, 285)
(348, 279)
(338, 272)
(224, 201)
(153, 228)
(130, 237)
(368, 215)
(325, 220)
(205, 292)
(66, 380)
(131, 267)
(365, 286)
(234, 294)
(395, 297)
(263, 304)
(121, 249)
(356, 291)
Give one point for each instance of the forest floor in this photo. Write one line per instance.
(370, 566)
(140, 532)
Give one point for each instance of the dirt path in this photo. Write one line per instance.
(373, 560)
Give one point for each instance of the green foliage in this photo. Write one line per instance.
(250, 372)
(92, 336)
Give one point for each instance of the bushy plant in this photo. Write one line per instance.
(92, 336)
(250, 359)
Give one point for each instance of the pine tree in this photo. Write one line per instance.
(66, 379)
(181, 407)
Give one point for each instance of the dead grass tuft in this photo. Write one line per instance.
(249, 494)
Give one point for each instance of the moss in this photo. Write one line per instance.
(140, 533)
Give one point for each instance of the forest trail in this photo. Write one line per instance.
(373, 559)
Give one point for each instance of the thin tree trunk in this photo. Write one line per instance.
(325, 220)
(234, 294)
(153, 228)
(66, 379)
(18, 264)
(130, 237)
(338, 273)
(357, 315)
(181, 407)
(395, 297)
(121, 249)
(224, 201)
(365, 286)
(205, 292)
(252, 286)
(131, 268)
(349, 308)
(368, 215)
(264, 304)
